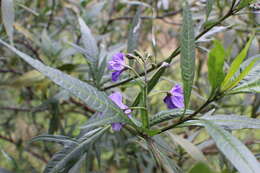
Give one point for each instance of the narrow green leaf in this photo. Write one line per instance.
(89, 42)
(235, 151)
(209, 7)
(65, 140)
(7, 8)
(189, 147)
(250, 83)
(236, 64)
(95, 99)
(69, 155)
(168, 115)
(244, 3)
(201, 168)
(242, 75)
(215, 65)
(187, 53)
(133, 35)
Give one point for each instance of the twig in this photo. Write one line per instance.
(28, 46)
(145, 17)
(10, 71)
(86, 108)
(16, 109)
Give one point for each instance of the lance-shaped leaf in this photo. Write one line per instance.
(250, 83)
(235, 66)
(209, 7)
(64, 160)
(7, 8)
(95, 99)
(187, 54)
(168, 115)
(89, 42)
(215, 65)
(234, 150)
(133, 35)
(244, 3)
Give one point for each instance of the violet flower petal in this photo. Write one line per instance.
(117, 98)
(115, 75)
(175, 99)
(117, 62)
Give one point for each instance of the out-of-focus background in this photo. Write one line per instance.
(48, 30)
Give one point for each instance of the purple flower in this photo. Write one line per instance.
(175, 98)
(117, 64)
(117, 98)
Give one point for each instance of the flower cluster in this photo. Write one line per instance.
(174, 99)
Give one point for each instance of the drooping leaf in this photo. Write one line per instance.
(189, 147)
(163, 144)
(234, 150)
(209, 7)
(231, 122)
(95, 99)
(168, 115)
(7, 8)
(215, 65)
(89, 41)
(168, 165)
(133, 35)
(201, 168)
(187, 40)
(207, 37)
(67, 157)
(235, 65)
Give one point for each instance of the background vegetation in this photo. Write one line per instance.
(54, 33)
